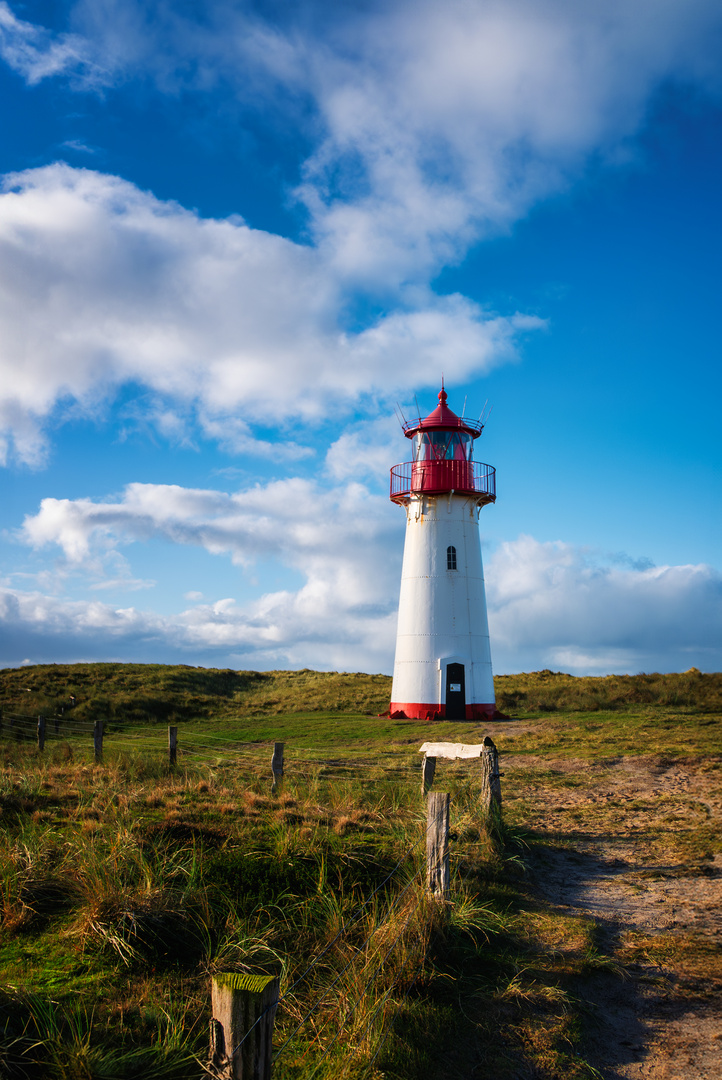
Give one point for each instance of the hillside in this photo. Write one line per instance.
(172, 693)
(580, 938)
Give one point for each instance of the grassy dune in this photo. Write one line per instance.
(148, 693)
(125, 884)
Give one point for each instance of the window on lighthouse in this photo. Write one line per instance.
(459, 447)
(451, 557)
(442, 446)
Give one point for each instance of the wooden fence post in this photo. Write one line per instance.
(56, 724)
(277, 768)
(243, 1008)
(98, 739)
(41, 733)
(437, 843)
(172, 745)
(490, 781)
(428, 768)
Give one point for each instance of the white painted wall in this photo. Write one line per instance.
(442, 613)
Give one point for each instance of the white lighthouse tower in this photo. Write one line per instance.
(443, 659)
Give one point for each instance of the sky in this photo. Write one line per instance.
(236, 236)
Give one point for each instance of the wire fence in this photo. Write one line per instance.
(320, 1007)
(197, 748)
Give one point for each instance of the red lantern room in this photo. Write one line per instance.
(442, 458)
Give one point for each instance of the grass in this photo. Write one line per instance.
(551, 691)
(122, 694)
(168, 694)
(125, 884)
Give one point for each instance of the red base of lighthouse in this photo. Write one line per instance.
(415, 710)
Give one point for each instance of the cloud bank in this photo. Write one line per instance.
(553, 605)
(550, 604)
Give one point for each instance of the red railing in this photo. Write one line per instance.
(443, 477)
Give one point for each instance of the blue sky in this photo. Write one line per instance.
(234, 235)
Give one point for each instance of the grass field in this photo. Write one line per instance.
(125, 884)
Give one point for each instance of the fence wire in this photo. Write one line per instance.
(212, 750)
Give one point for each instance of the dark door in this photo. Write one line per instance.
(455, 692)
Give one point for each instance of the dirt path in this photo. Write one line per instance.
(629, 852)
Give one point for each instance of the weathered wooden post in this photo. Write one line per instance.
(277, 768)
(172, 745)
(41, 733)
(243, 1007)
(490, 782)
(98, 739)
(428, 768)
(437, 843)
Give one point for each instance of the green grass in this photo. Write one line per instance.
(157, 693)
(552, 691)
(124, 885)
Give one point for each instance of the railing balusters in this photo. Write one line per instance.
(434, 477)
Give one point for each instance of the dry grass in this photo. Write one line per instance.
(124, 885)
(131, 694)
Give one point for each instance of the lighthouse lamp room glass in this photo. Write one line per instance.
(443, 658)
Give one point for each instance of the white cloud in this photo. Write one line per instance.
(79, 146)
(102, 284)
(36, 54)
(365, 449)
(343, 542)
(280, 630)
(335, 538)
(555, 605)
(124, 583)
(455, 118)
(550, 604)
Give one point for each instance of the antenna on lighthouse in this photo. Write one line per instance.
(401, 418)
(481, 414)
(463, 411)
(418, 410)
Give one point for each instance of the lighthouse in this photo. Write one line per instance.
(443, 658)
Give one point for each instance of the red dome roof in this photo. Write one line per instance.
(443, 418)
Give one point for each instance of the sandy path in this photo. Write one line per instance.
(664, 1021)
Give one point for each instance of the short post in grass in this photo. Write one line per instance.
(490, 783)
(277, 768)
(437, 843)
(172, 745)
(98, 740)
(428, 768)
(41, 733)
(243, 1008)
